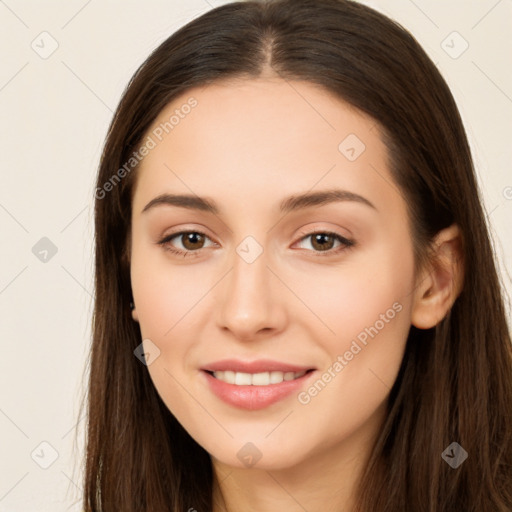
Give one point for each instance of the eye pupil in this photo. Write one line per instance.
(320, 239)
(192, 238)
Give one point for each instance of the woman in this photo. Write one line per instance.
(297, 304)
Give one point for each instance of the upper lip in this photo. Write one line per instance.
(259, 366)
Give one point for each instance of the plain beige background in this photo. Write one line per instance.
(64, 67)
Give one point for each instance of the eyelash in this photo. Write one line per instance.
(346, 243)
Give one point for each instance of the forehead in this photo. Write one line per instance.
(242, 139)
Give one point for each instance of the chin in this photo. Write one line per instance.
(257, 454)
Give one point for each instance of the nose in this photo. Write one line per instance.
(251, 301)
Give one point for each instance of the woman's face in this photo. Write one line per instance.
(294, 255)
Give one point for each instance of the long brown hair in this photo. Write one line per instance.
(455, 381)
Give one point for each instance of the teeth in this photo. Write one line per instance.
(256, 379)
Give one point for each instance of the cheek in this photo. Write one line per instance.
(166, 298)
(367, 307)
(364, 291)
(165, 295)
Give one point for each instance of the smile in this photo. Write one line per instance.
(255, 391)
(256, 379)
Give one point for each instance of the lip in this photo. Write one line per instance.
(253, 398)
(261, 365)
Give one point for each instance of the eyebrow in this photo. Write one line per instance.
(289, 204)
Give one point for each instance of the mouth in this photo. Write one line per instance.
(256, 389)
(256, 379)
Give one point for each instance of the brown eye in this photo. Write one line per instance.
(322, 241)
(192, 240)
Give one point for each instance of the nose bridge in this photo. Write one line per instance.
(249, 301)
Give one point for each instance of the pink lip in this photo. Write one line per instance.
(251, 397)
(261, 365)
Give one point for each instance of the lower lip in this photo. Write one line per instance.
(253, 398)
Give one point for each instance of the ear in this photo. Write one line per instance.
(135, 316)
(126, 262)
(440, 283)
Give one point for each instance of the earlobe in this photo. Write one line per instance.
(441, 283)
(135, 316)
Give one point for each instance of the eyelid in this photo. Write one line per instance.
(346, 243)
(165, 242)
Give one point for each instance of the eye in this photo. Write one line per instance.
(191, 242)
(323, 242)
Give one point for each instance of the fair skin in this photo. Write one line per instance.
(247, 146)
